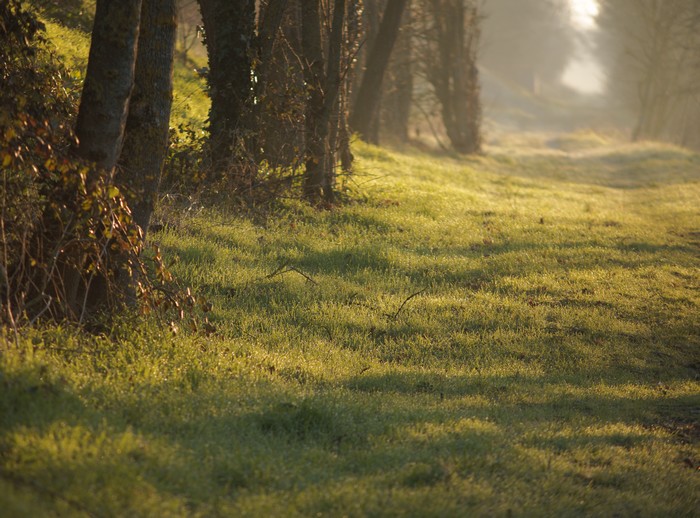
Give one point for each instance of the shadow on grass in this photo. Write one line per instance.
(194, 441)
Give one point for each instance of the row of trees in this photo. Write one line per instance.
(290, 80)
(286, 93)
(652, 49)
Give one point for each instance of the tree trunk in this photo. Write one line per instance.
(322, 85)
(352, 48)
(229, 29)
(147, 126)
(281, 95)
(314, 75)
(453, 73)
(269, 25)
(398, 95)
(100, 129)
(367, 100)
(108, 81)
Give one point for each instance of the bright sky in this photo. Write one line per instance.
(584, 73)
(583, 13)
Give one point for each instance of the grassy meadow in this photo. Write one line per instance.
(512, 334)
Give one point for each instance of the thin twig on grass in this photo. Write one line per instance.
(398, 311)
(286, 268)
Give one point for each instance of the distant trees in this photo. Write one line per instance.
(652, 48)
(367, 101)
(397, 92)
(288, 68)
(280, 73)
(280, 77)
(530, 42)
(188, 29)
(448, 42)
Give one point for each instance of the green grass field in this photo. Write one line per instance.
(515, 334)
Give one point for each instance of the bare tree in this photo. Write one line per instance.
(448, 41)
(323, 81)
(367, 100)
(652, 47)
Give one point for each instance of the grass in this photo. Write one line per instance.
(515, 334)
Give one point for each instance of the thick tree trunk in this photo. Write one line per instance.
(367, 100)
(147, 126)
(100, 129)
(229, 27)
(108, 82)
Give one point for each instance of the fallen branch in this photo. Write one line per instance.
(285, 268)
(398, 311)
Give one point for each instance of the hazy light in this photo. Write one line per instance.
(583, 72)
(585, 75)
(583, 13)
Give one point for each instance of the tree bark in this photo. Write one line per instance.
(322, 90)
(108, 81)
(453, 73)
(271, 18)
(314, 75)
(229, 29)
(398, 95)
(367, 100)
(146, 139)
(100, 128)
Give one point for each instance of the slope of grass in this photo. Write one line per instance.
(190, 101)
(514, 334)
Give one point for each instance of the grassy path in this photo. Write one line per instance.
(509, 335)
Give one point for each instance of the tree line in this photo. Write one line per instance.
(289, 81)
(652, 54)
